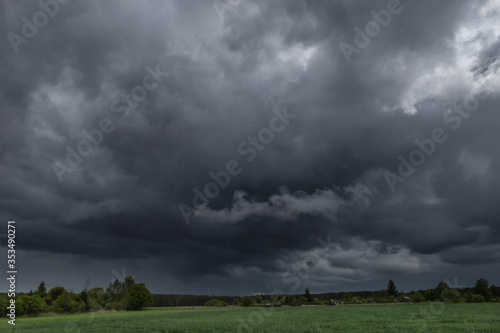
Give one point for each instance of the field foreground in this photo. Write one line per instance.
(484, 317)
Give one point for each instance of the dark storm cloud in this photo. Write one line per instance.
(225, 80)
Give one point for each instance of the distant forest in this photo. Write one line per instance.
(481, 292)
(129, 295)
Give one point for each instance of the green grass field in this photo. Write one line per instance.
(484, 317)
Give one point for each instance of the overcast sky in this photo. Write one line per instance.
(236, 147)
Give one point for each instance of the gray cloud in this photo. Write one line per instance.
(120, 205)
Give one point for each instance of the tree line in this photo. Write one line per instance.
(129, 295)
(119, 295)
(481, 292)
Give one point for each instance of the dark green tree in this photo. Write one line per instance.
(32, 305)
(84, 297)
(64, 303)
(495, 291)
(113, 291)
(4, 303)
(246, 301)
(42, 291)
(308, 295)
(432, 295)
(55, 292)
(138, 297)
(97, 298)
(441, 288)
(482, 288)
(391, 289)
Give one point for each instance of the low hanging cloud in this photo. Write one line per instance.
(283, 206)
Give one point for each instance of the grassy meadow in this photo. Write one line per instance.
(425, 317)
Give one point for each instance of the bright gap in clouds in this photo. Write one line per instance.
(297, 54)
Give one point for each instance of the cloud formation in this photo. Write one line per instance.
(119, 205)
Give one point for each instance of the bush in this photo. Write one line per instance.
(451, 296)
(431, 295)
(32, 305)
(477, 298)
(215, 302)
(96, 298)
(55, 292)
(316, 301)
(246, 301)
(4, 303)
(119, 305)
(138, 297)
(64, 303)
(236, 302)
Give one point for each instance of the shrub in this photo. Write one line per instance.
(119, 305)
(138, 297)
(236, 302)
(215, 302)
(246, 301)
(302, 300)
(32, 305)
(431, 295)
(316, 301)
(4, 303)
(451, 296)
(55, 292)
(477, 298)
(64, 303)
